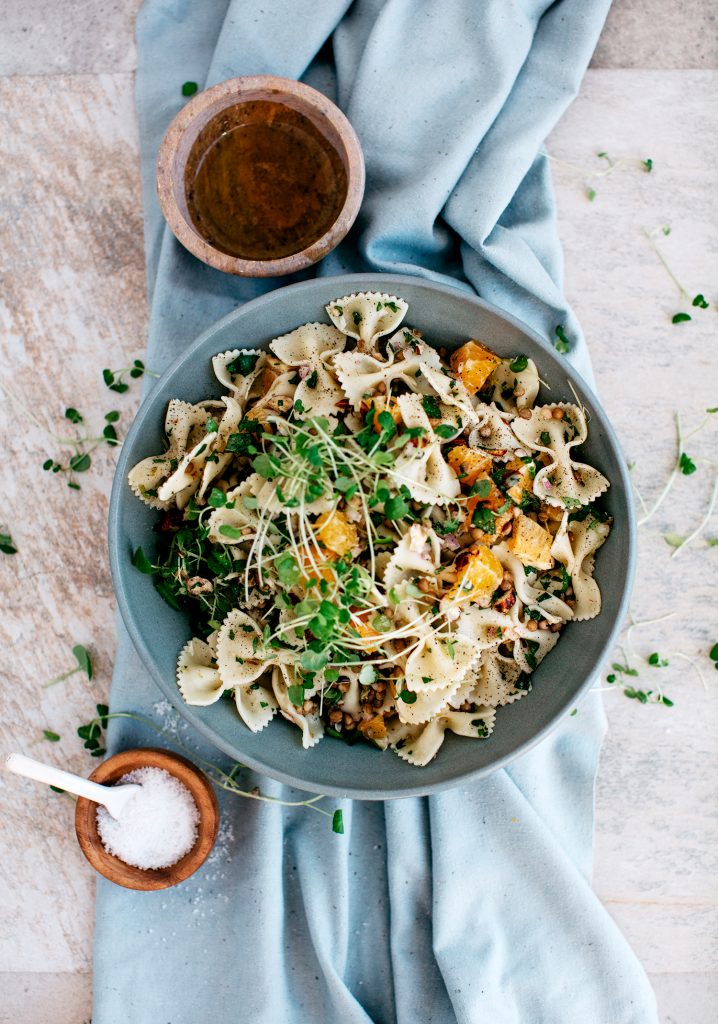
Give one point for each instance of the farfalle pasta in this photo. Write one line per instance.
(369, 540)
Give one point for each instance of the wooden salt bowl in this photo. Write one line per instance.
(147, 879)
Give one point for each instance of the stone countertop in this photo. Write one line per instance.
(73, 301)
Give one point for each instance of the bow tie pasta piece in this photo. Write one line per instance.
(256, 703)
(238, 369)
(227, 522)
(484, 627)
(416, 556)
(530, 650)
(497, 681)
(551, 607)
(367, 316)
(428, 703)
(437, 659)
(423, 470)
(277, 401)
(283, 684)
(555, 429)
(309, 348)
(586, 537)
(451, 392)
(228, 424)
(420, 745)
(185, 480)
(492, 432)
(514, 389)
(241, 657)
(360, 373)
(198, 677)
(148, 475)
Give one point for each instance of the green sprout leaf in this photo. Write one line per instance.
(142, 562)
(561, 342)
(686, 464)
(519, 364)
(84, 662)
(647, 165)
(50, 736)
(680, 318)
(338, 823)
(6, 544)
(700, 301)
(189, 88)
(73, 415)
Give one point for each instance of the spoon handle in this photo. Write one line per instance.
(32, 769)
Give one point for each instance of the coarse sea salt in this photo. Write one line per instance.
(157, 827)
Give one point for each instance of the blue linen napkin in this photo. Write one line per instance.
(474, 905)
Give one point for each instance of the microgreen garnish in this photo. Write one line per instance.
(338, 822)
(115, 379)
(686, 464)
(189, 88)
(697, 301)
(713, 655)
(518, 364)
(84, 664)
(561, 342)
(50, 736)
(656, 661)
(6, 544)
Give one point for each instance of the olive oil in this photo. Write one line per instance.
(262, 181)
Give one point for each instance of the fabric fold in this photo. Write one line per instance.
(473, 905)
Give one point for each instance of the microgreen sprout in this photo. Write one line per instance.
(608, 166)
(84, 664)
(561, 342)
(115, 379)
(189, 88)
(696, 301)
(7, 545)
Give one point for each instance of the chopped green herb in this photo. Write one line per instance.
(561, 342)
(519, 364)
(686, 464)
(189, 88)
(6, 544)
(338, 823)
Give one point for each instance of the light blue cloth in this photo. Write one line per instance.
(475, 905)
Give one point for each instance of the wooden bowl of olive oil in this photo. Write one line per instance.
(260, 176)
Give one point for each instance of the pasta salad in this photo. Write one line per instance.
(377, 539)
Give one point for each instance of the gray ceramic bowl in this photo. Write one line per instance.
(447, 316)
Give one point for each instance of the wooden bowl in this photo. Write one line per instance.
(147, 879)
(201, 119)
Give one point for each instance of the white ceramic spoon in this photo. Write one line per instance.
(113, 798)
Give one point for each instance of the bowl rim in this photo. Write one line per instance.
(349, 283)
(235, 91)
(128, 875)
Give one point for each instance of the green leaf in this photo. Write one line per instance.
(367, 676)
(381, 623)
(50, 736)
(673, 539)
(82, 657)
(396, 508)
(700, 301)
(296, 694)
(102, 713)
(230, 531)
(667, 702)
(431, 407)
(110, 435)
(167, 594)
(519, 364)
(686, 464)
(48, 464)
(288, 571)
(656, 660)
(217, 498)
(338, 823)
(590, 194)
(211, 426)
(408, 696)
(244, 363)
(484, 519)
(266, 466)
(561, 342)
(142, 562)
(189, 88)
(6, 544)
(482, 489)
(680, 318)
(647, 164)
(312, 380)
(112, 416)
(313, 661)
(713, 653)
(80, 463)
(244, 441)
(445, 430)
(73, 415)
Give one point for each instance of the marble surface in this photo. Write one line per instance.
(72, 301)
